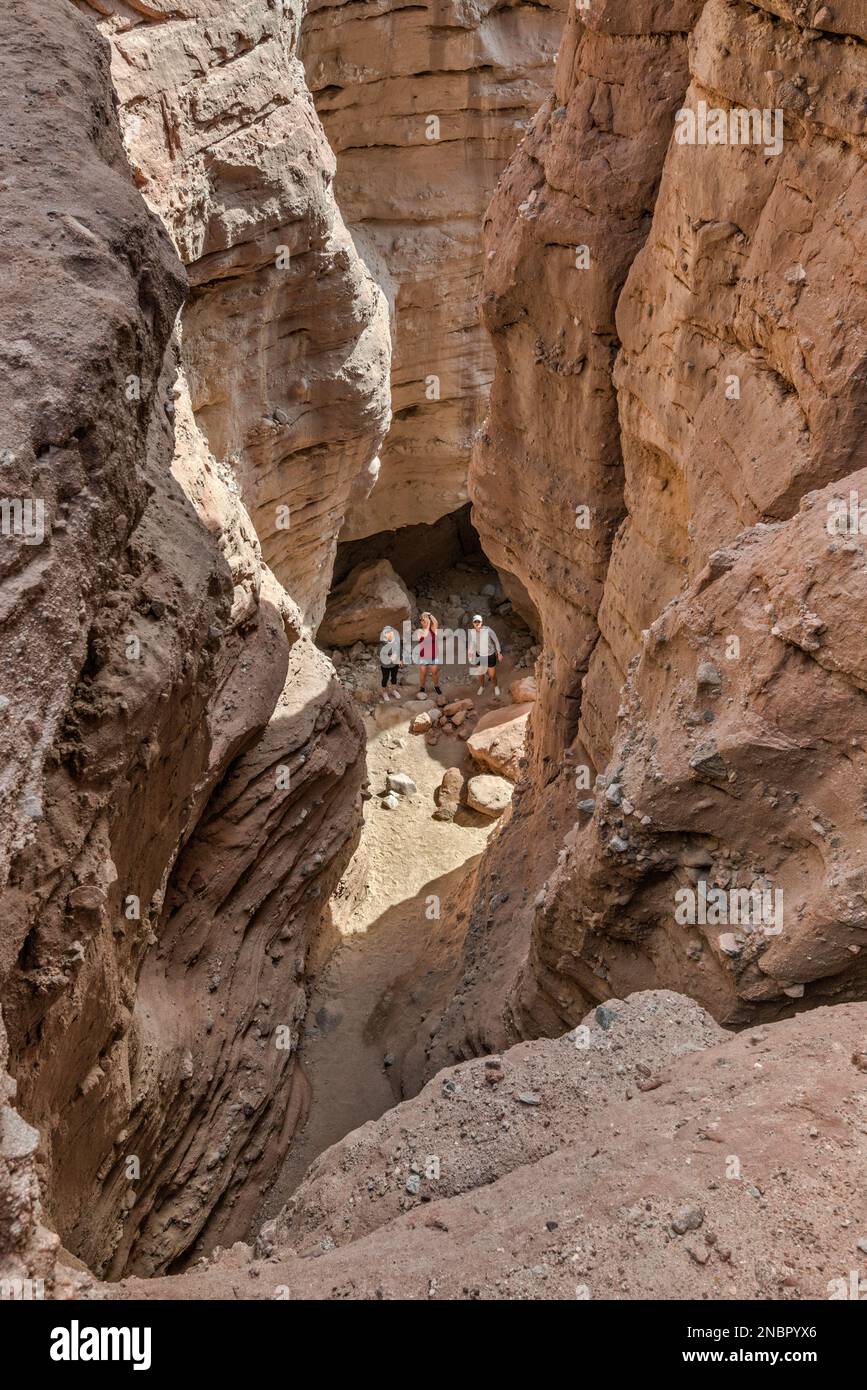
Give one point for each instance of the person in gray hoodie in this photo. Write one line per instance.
(390, 662)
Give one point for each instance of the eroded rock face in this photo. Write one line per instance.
(180, 760)
(568, 219)
(631, 1166)
(28, 1251)
(701, 659)
(423, 105)
(286, 339)
(370, 599)
(221, 999)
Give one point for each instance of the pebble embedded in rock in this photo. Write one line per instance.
(687, 1219)
(708, 676)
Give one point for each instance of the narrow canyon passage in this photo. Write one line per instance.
(384, 967)
(338, 334)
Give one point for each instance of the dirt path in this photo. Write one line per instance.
(382, 972)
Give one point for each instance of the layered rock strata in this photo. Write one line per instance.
(423, 106)
(182, 771)
(286, 336)
(699, 727)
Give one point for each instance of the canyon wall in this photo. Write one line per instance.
(423, 105)
(696, 380)
(182, 772)
(286, 338)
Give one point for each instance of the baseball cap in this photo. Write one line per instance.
(477, 618)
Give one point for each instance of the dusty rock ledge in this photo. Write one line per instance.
(629, 1168)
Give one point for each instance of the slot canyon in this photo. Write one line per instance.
(515, 957)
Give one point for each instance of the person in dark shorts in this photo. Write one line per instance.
(428, 654)
(389, 662)
(484, 653)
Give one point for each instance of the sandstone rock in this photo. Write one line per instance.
(589, 168)
(676, 416)
(28, 1251)
(449, 794)
(497, 742)
(188, 730)
(417, 161)
(371, 598)
(706, 569)
(401, 783)
(524, 690)
(488, 794)
(286, 338)
(531, 1174)
(421, 723)
(454, 706)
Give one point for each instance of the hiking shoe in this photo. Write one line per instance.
(438, 690)
(481, 690)
(496, 690)
(395, 693)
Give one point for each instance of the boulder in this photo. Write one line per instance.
(401, 783)
(497, 742)
(421, 723)
(449, 794)
(371, 597)
(523, 690)
(489, 794)
(451, 709)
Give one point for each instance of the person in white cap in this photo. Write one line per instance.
(484, 651)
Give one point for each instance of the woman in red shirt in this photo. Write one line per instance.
(428, 653)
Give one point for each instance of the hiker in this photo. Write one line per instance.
(428, 654)
(389, 662)
(484, 649)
